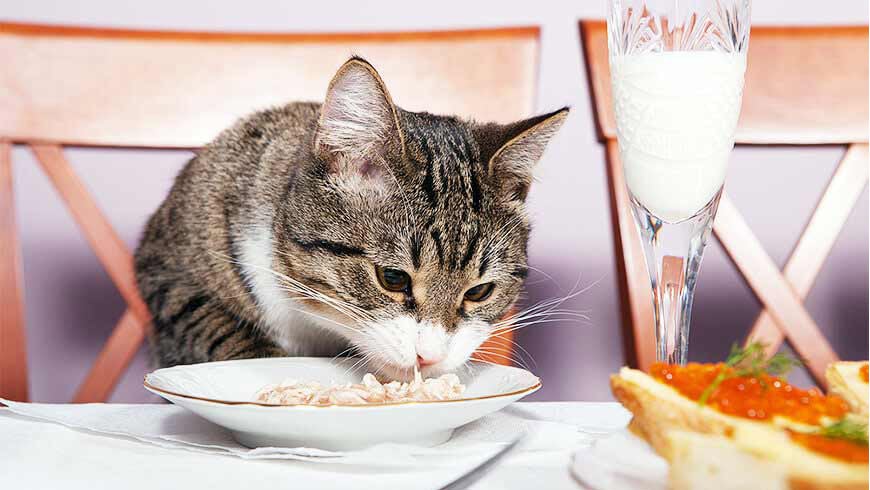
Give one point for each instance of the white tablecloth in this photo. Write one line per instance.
(36, 454)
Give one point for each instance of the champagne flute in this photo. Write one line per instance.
(677, 71)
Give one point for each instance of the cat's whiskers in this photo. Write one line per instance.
(470, 363)
(335, 357)
(543, 314)
(291, 285)
(333, 301)
(379, 345)
(378, 370)
(326, 319)
(361, 362)
(289, 281)
(506, 355)
(545, 305)
(547, 311)
(304, 295)
(360, 359)
(564, 314)
(516, 345)
(552, 303)
(303, 288)
(549, 308)
(560, 321)
(539, 271)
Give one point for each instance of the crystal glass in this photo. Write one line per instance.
(677, 71)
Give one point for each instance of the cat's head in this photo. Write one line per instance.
(411, 227)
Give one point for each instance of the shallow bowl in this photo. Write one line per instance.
(223, 393)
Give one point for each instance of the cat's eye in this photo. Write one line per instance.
(394, 280)
(480, 292)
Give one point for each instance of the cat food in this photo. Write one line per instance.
(295, 392)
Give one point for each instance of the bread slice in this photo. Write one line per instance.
(713, 461)
(845, 380)
(704, 445)
(756, 457)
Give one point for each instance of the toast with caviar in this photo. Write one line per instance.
(849, 381)
(739, 424)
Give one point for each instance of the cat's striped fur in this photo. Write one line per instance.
(268, 242)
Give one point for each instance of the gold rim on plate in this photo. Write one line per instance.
(333, 405)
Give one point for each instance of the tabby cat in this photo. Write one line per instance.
(348, 226)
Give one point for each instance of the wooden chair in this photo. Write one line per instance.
(804, 86)
(153, 89)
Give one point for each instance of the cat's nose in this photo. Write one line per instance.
(430, 345)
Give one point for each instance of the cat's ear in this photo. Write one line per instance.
(358, 126)
(511, 151)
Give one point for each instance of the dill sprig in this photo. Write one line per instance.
(750, 362)
(846, 429)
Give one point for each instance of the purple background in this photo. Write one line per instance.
(71, 306)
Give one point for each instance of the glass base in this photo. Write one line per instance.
(673, 253)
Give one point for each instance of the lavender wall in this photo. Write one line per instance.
(72, 306)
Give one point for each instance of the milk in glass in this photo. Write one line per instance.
(676, 114)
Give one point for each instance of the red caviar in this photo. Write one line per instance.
(758, 398)
(863, 372)
(850, 451)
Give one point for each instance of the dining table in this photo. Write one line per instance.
(44, 446)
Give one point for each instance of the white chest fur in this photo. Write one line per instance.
(283, 319)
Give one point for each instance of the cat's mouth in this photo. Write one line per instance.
(387, 371)
(390, 372)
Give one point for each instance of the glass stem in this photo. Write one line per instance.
(673, 253)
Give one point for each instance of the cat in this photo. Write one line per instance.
(350, 226)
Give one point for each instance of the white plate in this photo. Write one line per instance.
(620, 461)
(222, 392)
